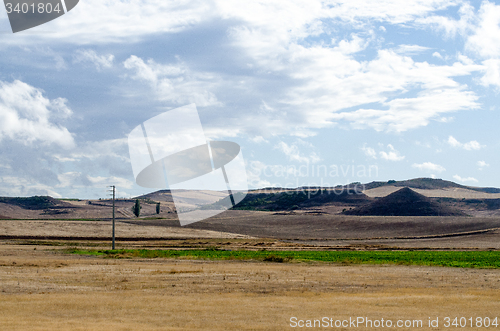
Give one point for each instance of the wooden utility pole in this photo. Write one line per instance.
(113, 245)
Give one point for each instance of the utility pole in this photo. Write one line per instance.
(112, 186)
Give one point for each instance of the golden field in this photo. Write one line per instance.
(44, 288)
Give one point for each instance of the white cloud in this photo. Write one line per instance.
(370, 152)
(453, 142)
(391, 155)
(101, 181)
(99, 61)
(471, 145)
(332, 81)
(388, 10)
(429, 167)
(411, 49)
(451, 27)
(438, 55)
(410, 113)
(75, 181)
(46, 57)
(255, 171)
(492, 73)
(482, 164)
(93, 150)
(355, 45)
(259, 140)
(445, 119)
(108, 21)
(27, 116)
(175, 83)
(293, 153)
(283, 53)
(423, 144)
(463, 179)
(324, 79)
(99, 159)
(327, 80)
(18, 186)
(485, 41)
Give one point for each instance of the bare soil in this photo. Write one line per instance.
(337, 231)
(304, 226)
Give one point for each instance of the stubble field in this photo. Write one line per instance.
(45, 288)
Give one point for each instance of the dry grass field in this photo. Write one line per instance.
(338, 231)
(90, 229)
(43, 288)
(315, 230)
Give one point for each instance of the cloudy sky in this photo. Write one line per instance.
(315, 92)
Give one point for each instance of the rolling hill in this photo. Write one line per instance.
(298, 199)
(429, 184)
(404, 202)
(440, 197)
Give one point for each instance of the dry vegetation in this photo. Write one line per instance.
(46, 289)
(317, 231)
(43, 287)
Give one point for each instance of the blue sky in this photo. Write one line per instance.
(355, 90)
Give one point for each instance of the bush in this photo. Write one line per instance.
(276, 258)
(136, 209)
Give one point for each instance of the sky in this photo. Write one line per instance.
(316, 93)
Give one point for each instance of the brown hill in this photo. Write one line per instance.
(36, 202)
(404, 202)
(160, 196)
(429, 184)
(299, 199)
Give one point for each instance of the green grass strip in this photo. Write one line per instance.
(459, 259)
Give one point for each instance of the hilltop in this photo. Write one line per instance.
(429, 184)
(441, 196)
(35, 203)
(404, 202)
(298, 199)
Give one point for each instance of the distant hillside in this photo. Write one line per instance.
(429, 184)
(35, 203)
(160, 196)
(404, 202)
(446, 198)
(297, 199)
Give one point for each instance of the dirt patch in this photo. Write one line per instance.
(304, 226)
